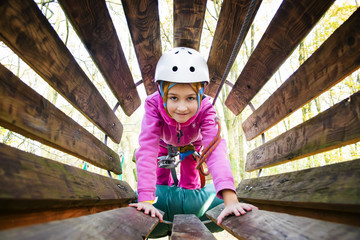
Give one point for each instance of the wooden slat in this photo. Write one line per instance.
(259, 224)
(188, 226)
(333, 215)
(231, 19)
(28, 33)
(93, 24)
(144, 25)
(292, 22)
(21, 218)
(335, 127)
(123, 223)
(30, 182)
(24, 111)
(333, 188)
(188, 22)
(333, 61)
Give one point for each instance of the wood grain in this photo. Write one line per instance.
(24, 111)
(260, 224)
(338, 57)
(333, 128)
(20, 218)
(291, 23)
(93, 24)
(25, 30)
(123, 223)
(143, 20)
(188, 226)
(188, 22)
(333, 188)
(30, 182)
(231, 20)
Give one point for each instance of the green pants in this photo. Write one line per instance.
(174, 200)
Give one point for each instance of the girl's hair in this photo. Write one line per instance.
(164, 88)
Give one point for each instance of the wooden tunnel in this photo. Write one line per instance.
(316, 203)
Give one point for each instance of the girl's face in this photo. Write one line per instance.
(182, 102)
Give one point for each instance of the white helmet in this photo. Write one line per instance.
(182, 65)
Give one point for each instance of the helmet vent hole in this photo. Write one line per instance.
(175, 68)
(190, 52)
(192, 69)
(176, 52)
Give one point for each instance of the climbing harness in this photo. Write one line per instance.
(169, 161)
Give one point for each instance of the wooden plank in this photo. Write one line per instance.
(260, 224)
(93, 24)
(24, 111)
(188, 23)
(122, 223)
(30, 182)
(232, 14)
(188, 226)
(28, 33)
(143, 20)
(333, 188)
(338, 57)
(20, 218)
(333, 128)
(348, 218)
(292, 22)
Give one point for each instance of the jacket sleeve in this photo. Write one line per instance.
(218, 164)
(147, 153)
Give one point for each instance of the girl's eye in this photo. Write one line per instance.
(173, 98)
(191, 98)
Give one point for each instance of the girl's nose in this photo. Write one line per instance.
(181, 107)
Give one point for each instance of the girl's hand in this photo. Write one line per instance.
(235, 208)
(232, 205)
(148, 208)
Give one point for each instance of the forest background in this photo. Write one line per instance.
(238, 147)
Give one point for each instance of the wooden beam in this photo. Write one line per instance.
(93, 24)
(188, 23)
(260, 224)
(30, 182)
(348, 218)
(338, 57)
(20, 218)
(327, 190)
(292, 22)
(122, 223)
(333, 128)
(144, 24)
(231, 20)
(27, 32)
(188, 226)
(25, 111)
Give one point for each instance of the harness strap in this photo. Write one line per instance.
(208, 150)
(200, 159)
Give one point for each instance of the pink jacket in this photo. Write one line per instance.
(158, 129)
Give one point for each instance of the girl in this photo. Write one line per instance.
(179, 116)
